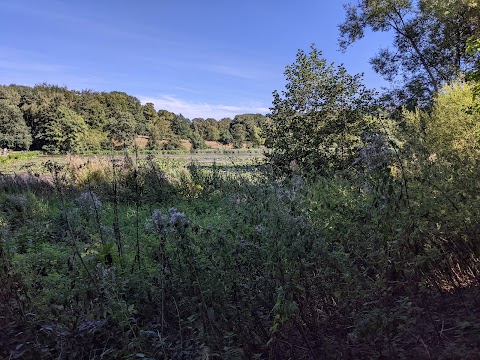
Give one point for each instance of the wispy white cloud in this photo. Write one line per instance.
(19, 61)
(230, 71)
(201, 109)
(236, 68)
(30, 66)
(93, 23)
(187, 90)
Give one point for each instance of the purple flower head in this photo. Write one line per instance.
(178, 219)
(173, 221)
(159, 221)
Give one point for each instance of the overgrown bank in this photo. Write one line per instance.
(142, 260)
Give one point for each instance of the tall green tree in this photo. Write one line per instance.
(121, 129)
(167, 115)
(118, 103)
(164, 123)
(181, 126)
(149, 113)
(225, 136)
(429, 41)
(199, 126)
(254, 125)
(159, 127)
(14, 132)
(239, 134)
(62, 131)
(319, 118)
(211, 130)
(197, 141)
(40, 105)
(88, 105)
(449, 133)
(473, 47)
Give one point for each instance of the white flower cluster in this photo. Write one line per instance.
(172, 221)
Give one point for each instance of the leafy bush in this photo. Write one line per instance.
(318, 120)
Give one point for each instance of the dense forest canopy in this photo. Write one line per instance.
(57, 120)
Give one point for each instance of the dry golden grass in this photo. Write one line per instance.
(92, 170)
(217, 145)
(141, 141)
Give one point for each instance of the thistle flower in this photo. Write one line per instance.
(158, 222)
(173, 221)
(178, 220)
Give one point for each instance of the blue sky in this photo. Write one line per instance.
(207, 58)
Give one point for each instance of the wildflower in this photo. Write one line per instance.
(173, 221)
(158, 222)
(293, 166)
(260, 229)
(178, 219)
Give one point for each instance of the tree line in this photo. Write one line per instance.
(58, 120)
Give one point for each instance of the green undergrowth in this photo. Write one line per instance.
(13, 156)
(148, 259)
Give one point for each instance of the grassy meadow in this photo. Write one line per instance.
(18, 162)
